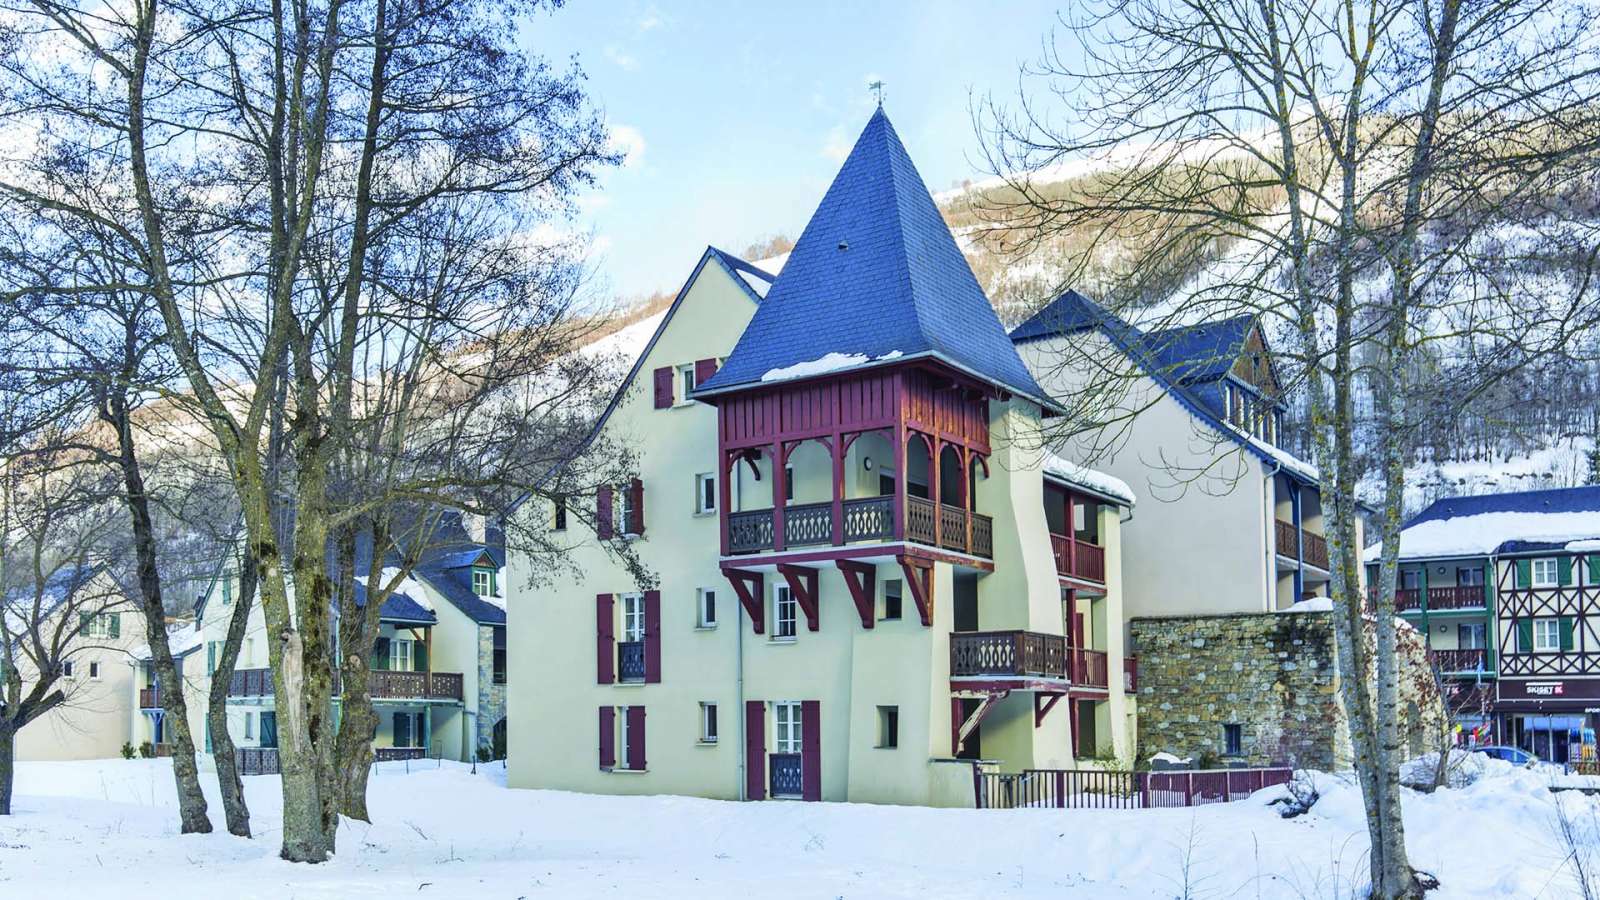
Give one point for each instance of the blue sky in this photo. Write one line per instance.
(738, 114)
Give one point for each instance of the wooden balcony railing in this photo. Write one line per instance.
(1021, 653)
(749, 532)
(1088, 668)
(919, 521)
(1316, 546)
(1405, 600)
(1459, 660)
(1078, 559)
(865, 519)
(150, 698)
(952, 530)
(415, 685)
(869, 519)
(251, 683)
(1439, 598)
(805, 524)
(1130, 674)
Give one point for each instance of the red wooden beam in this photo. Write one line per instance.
(749, 586)
(803, 584)
(1040, 711)
(961, 730)
(919, 576)
(861, 578)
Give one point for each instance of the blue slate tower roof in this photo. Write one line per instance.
(875, 278)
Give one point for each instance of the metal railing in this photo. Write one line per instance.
(785, 775)
(630, 661)
(1460, 660)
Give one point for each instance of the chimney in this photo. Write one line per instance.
(476, 527)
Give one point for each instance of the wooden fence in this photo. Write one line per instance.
(1103, 789)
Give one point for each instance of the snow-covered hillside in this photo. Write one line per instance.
(108, 829)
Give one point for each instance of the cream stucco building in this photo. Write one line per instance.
(867, 572)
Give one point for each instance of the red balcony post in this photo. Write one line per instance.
(836, 453)
(779, 489)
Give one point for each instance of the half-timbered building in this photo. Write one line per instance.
(1507, 588)
(867, 572)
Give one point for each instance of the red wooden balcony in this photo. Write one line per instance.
(381, 684)
(865, 519)
(1021, 653)
(1409, 600)
(150, 698)
(1316, 546)
(1130, 674)
(1459, 660)
(1088, 668)
(251, 683)
(1078, 559)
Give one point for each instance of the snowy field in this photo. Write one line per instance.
(107, 829)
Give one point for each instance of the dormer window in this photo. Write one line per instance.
(483, 581)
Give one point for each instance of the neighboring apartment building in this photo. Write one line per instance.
(866, 575)
(1196, 418)
(1507, 588)
(438, 666)
(98, 673)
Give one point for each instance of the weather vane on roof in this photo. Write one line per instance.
(876, 88)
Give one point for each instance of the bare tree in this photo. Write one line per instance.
(1333, 168)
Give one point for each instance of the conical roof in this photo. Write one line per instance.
(875, 278)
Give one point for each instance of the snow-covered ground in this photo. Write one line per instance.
(108, 829)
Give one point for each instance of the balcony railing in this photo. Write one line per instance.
(415, 685)
(1468, 596)
(1088, 668)
(750, 531)
(150, 698)
(1130, 674)
(630, 660)
(391, 754)
(1474, 660)
(1316, 546)
(785, 774)
(1020, 653)
(807, 523)
(251, 683)
(1078, 559)
(257, 760)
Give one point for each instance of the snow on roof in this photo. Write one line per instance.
(181, 639)
(1288, 460)
(829, 362)
(772, 264)
(1311, 604)
(1489, 523)
(1088, 479)
(1589, 546)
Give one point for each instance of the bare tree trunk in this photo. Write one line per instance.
(8, 765)
(357, 728)
(191, 800)
(222, 749)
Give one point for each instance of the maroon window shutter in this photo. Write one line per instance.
(652, 636)
(703, 370)
(636, 738)
(604, 524)
(605, 639)
(663, 387)
(755, 750)
(810, 750)
(636, 507)
(608, 737)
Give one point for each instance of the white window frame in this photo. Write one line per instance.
(68, 670)
(1547, 635)
(633, 621)
(488, 582)
(701, 620)
(701, 481)
(1550, 568)
(623, 511)
(1480, 637)
(402, 661)
(784, 628)
(249, 726)
(900, 595)
(624, 735)
(683, 384)
(708, 723)
(786, 726)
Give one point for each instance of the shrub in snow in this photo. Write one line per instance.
(127, 750)
(1300, 795)
(147, 750)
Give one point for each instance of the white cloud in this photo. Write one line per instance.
(651, 19)
(627, 140)
(837, 146)
(621, 58)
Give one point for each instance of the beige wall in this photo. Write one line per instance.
(98, 715)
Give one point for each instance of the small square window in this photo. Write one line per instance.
(559, 518)
(708, 723)
(888, 727)
(1232, 740)
(706, 606)
(1544, 572)
(891, 598)
(705, 493)
(483, 582)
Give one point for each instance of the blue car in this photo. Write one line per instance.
(1514, 755)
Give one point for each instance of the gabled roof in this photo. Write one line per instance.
(1516, 522)
(452, 578)
(1169, 357)
(875, 278)
(740, 271)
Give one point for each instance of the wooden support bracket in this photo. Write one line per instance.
(1042, 710)
(959, 730)
(919, 576)
(750, 586)
(861, 578)
(803, 584)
